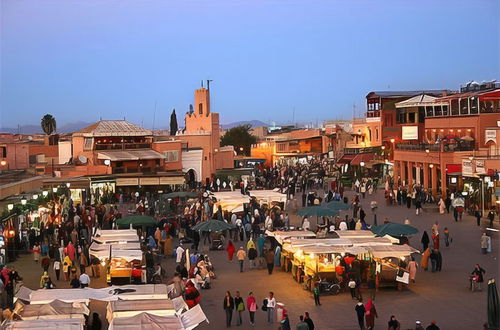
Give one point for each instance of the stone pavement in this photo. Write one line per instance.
(443, 296)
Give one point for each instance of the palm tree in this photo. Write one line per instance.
(48, 124)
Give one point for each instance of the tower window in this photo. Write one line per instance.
(200, 108)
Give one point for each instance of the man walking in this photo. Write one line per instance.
(269, 256)
(360, 313)
(241, 255)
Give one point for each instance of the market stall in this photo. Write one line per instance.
(76, 322)
(283, 236)
(231, 201)
(391, 264)
(123, 292)
(268, 196)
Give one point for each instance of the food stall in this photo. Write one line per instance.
(119, 249)
(391, 264)
(231, 201)
(270, 197)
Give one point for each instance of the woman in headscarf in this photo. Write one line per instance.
(425, 240)
(252, 253)
(230, 250)
(370, 314)
(442, 205)
(277, 256)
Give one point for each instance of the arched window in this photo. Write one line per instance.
(376, 134)
(200, 108)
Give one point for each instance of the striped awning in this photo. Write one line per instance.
(124, 155)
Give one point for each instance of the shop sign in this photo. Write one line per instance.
(127, 182)
(490, 135)
(149, 181)
(467, 169)
(480, 167)
(410, 132)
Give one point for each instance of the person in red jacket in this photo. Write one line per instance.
(192, 296)
(230, 250)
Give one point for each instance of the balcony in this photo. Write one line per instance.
(449, 147)
(373, 114)
(121, 146)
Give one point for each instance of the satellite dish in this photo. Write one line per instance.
(107, 162)
(83, 159)
(30, 138)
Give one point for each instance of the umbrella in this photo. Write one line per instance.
(336, 205)
(213, 225)
(181, 194)
(394, 229)
(493, 312)
(319, 211)
(136, 221)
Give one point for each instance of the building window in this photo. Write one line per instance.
(473, 105)
(437, 111)
(464, 106)
(411, 117)
(281, 147)
(454, 108)
(369, 134)
(445, 110)
(200, 108)
(376, 134)
(428, 112)
(87, 144)
(401, 116)
(171, 156)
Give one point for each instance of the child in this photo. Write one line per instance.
(447, 238)
(316, 295)
(36, 252)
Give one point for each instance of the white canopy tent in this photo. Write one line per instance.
(268, 196)
(231, 201)
(145, 320)
(395, 251)
(285, 236)
(128, 255)
(146, 291)
(76, 322)
(119, 246)
(54, 309)
(128, 308)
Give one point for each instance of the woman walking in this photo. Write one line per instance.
(252, 307)
(425, 240)
(424, 262)
(412, 267)
(370, 314)
(230, 250)
(228, 307)
(478, 274)
(240, 308)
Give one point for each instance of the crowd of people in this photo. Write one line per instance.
(60, 242)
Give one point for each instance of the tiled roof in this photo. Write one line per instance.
(113, 128)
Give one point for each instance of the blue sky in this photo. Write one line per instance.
(82, 60)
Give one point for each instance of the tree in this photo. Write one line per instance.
(173, 123)
(240, 138)
(48, 124)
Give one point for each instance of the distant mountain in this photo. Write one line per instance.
(253, 123)
(36, 129)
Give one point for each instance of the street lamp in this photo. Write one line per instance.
(23, 201)
(54, 190)
(427, 150)
(383, 147)
(362, 164)
(68, 184)
(3, 162)
(45, 193)
(10, 207)
(35, 196)
(431, 165)
(393, 140)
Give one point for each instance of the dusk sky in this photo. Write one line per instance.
(82, 60)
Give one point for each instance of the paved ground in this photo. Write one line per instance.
(443, 296)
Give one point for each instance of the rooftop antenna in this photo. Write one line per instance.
(202, 84)
(208, 83)
(353, 110)
(154, 117)
(293, 116)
